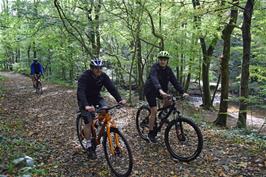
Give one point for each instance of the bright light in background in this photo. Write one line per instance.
(1, 6)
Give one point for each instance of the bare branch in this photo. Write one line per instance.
(147, 42)
(153, 29)
(123, 68)
(236, 5)
(62, 17)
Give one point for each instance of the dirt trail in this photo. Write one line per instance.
(50, 119)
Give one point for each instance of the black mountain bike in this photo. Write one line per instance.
(182, 137)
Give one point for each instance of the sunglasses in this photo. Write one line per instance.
(97, 67)
(164, 59)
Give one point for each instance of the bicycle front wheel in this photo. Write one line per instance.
(119, 157)
(39, 87)
(80, 126)
(142, 121)
(183, 139)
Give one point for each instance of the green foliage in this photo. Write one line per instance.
(241, 136)
(13, 147)
(63, 83)
(29, 28)
(18, 67)
(1, 86)
(16, 147)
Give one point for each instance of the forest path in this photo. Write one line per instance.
(49, 120)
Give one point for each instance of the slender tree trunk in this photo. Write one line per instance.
(216, 88)
(207, 53)
(49, 67)
(200, 71)
(28, 54)
(91, 27)
(140, 70)
(97, 28)
(205, 67)
(226, 35)
(206, 83)
(34, 50)
(130, 74)
(246, 35)
(181, 68)
(64, 73)
(186, 85)
(17, 55)
(178, 74)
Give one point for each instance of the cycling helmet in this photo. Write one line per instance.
(163, 54)
(96, 62)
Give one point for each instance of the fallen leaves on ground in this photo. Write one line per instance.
(50, 119)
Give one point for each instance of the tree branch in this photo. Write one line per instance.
(147, 42)
(153, 29)
(62, 17)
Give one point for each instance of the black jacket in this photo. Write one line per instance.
(89, 87)
(159, 78)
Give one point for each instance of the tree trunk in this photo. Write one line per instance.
(186, 85)
(216, 88)
(17, 55)
(206, 83)
(28, 54)
(181, 68)
(226, 35)
(207, 53)
(48, 70)
(130, 74)
(64, 73)
(97, 28)
(34, 50)
(246, 35)
(140, 70)
(178, 74)
(222, 115)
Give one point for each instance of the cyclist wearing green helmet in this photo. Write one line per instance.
(157, 86)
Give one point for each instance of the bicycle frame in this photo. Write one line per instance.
(36, 78)
(105, 117)
(172, 110)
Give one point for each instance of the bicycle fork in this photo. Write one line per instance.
(116, 138)
(179, 131)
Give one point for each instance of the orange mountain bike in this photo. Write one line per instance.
(116, 148)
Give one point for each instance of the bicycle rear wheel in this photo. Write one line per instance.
(80, 126)
(142, 121)
(183, 139)
(121, 162)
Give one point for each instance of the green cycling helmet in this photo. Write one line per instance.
(163, 54)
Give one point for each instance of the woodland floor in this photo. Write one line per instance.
(43, 127)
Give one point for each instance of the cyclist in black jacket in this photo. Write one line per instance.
(90, 84)
(157, 86)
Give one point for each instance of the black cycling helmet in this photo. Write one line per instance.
(96, 62)
(163, 54)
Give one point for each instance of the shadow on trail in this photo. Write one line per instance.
(50, 119)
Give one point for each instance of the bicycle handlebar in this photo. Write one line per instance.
(175, 98)
(108, 108)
